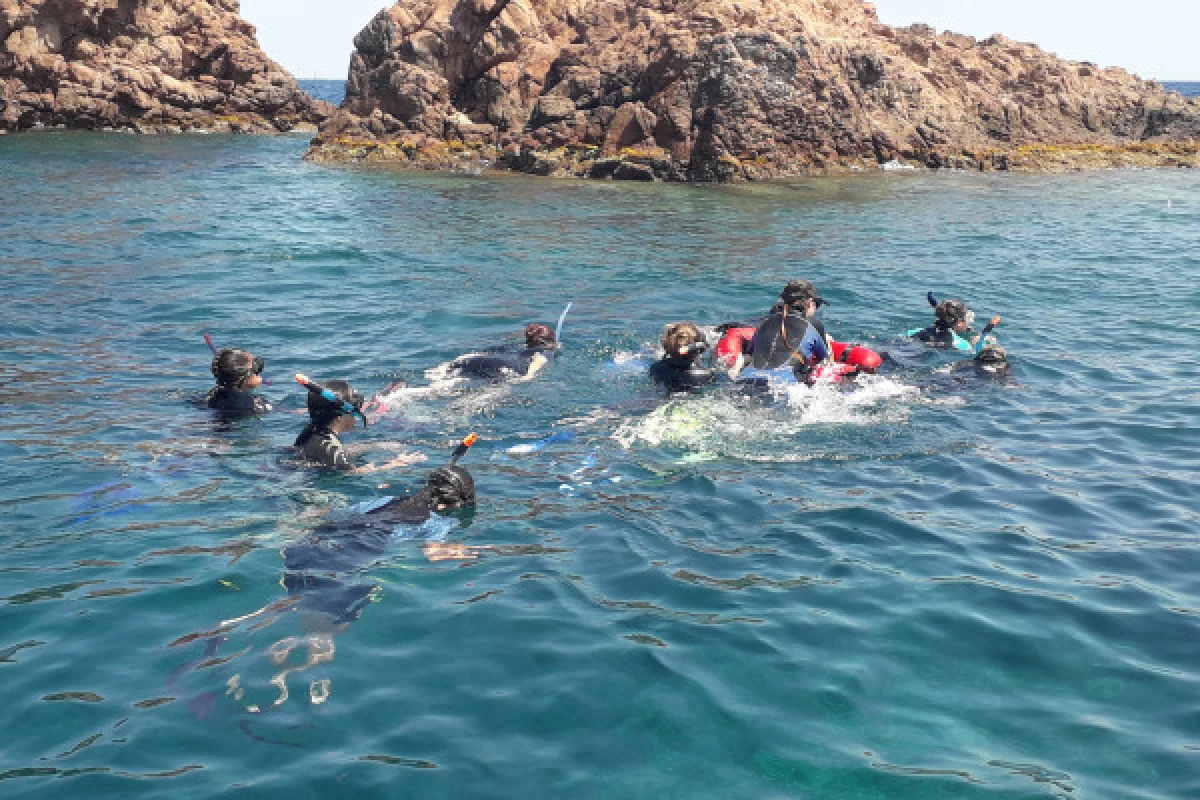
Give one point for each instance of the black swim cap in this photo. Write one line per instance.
(231, 367)
(452, 487)
(323, 411)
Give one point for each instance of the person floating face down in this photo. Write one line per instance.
(320, 443)
(990, 362)
(238, 373)
(321, 568)
(326, 571)
(678, 370)
(951, 327)
(507, 364)
(792, 335)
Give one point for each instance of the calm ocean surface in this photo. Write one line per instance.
(930, 587)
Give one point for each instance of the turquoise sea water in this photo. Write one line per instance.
(930, 587)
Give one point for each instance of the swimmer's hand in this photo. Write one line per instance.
(402, 460)
(446, 551)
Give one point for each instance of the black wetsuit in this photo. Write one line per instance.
(499, 364)
(680, 374)
(236, 402)
(322, 446)
(320, 569)
(936, 335)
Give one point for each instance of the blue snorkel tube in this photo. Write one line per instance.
(316, 388)
(558, 329)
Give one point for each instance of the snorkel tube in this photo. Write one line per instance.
(932, 300)
(991, 326)
(558, 329)
(316, 388)
(462, 448)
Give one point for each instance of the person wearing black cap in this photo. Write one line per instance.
(792, 335)
(237, 373)
(503, 364)
(953, 321)
(319, 442)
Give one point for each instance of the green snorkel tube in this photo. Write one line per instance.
(317, 388)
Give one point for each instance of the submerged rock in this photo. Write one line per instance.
(153, 66)
(715, 90)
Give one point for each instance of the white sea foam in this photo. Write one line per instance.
(724, 423)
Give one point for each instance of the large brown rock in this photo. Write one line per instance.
(730, 89)
(151, 65)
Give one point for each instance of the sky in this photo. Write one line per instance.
(1152, 38)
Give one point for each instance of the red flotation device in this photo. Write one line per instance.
(736, 342)
(848, 360)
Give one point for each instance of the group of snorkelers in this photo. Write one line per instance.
(790, 343)
(323, 567)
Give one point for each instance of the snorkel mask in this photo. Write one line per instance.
(232, 367)
(451, 488)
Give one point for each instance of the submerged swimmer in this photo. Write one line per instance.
(682, 345)
(238, 373)
(509, 364)
(951, 328)
(320, 568)
(333, 409)
(325, 573)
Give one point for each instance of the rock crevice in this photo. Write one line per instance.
(728, 90)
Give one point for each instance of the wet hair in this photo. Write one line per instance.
(538, 335)
(452, 487)
(323, 412)
(679, 336)
(950, 313)
(231, 367)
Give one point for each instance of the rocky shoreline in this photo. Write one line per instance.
(727, 90)
(165, 67)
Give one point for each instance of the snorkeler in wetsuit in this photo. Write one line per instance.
(318, 443)
(991, 362)
(237, 373)
(792, 336)
(507, 364)
(677, 370)
(953, 322)
(320, 569)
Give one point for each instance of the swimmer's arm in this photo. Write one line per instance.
(536, 365)
(402, 460)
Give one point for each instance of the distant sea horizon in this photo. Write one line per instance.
(334, 90)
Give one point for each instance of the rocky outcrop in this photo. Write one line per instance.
(149, 65)
(729, 89)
